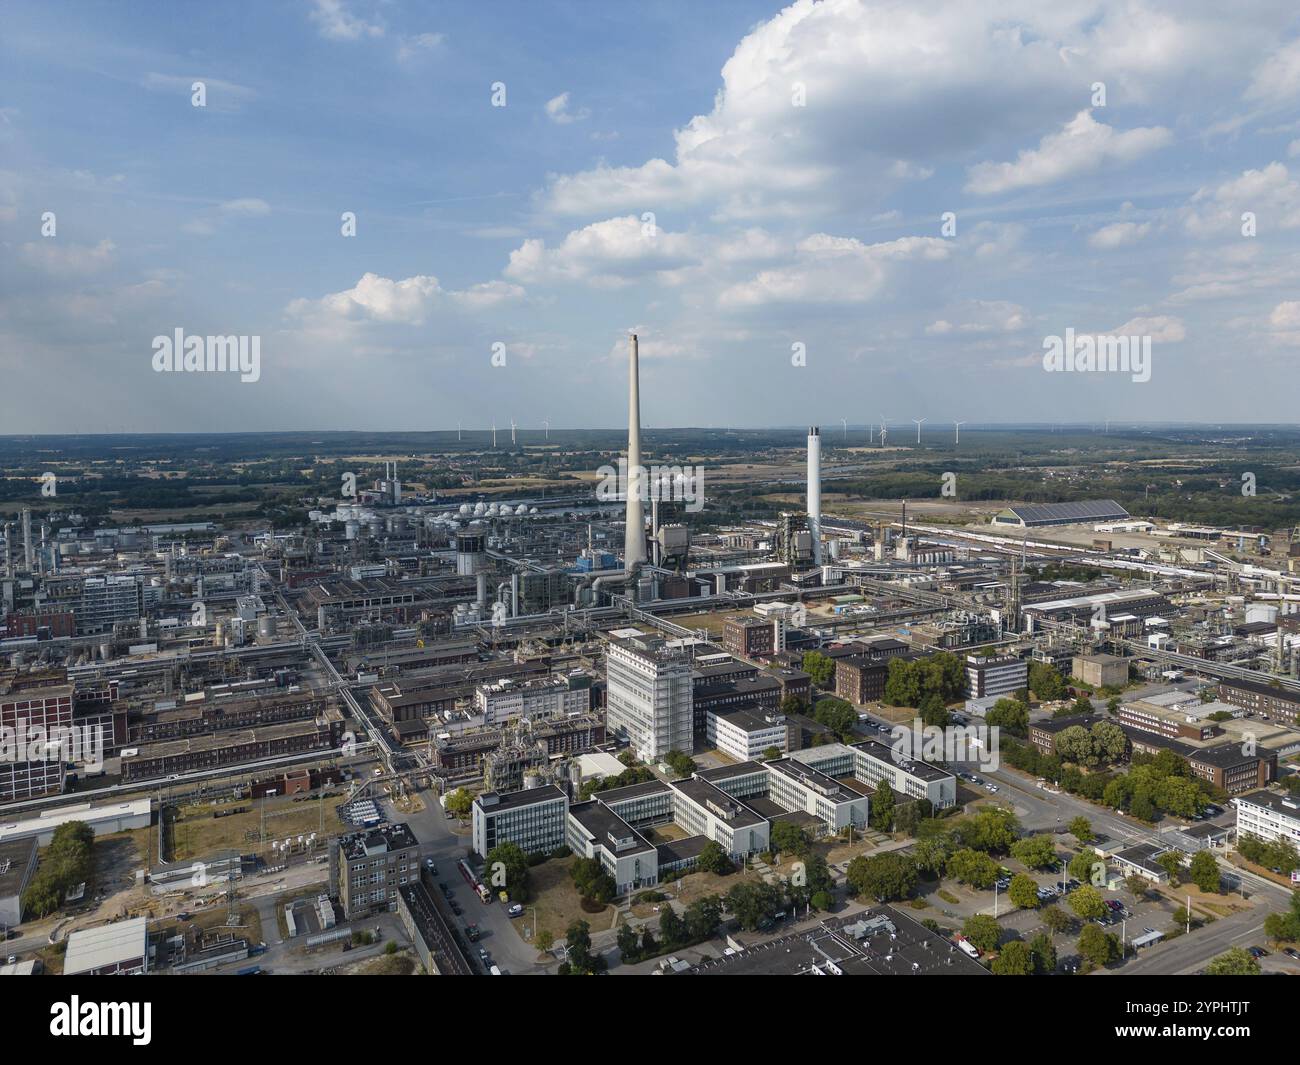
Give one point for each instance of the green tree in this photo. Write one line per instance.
(1109, 743)
(1086, 901)
(1136, 886)
(933, 711)
(1015, 959)
(1074, 744)
(1046, 683)
(672, 929)
(1044, 954)
(753, 902)
(982, 930)
(703, 917)
(882, 806)
(1285, 927)
(992, 829)
(1056, 919)
(1081, 829)
(1171, 862)
(972, 867)
(629, 943)
(1009, 715)
(578, 948)
(1205, 871)
(1087, 866)
(931, 853)
(1235, 961)
(902, 684)
(820, 668)
(713, 859)
(788, 838)
(1023, 892)
(506, 868)
(591, 880)
(883, 877)
(1037, 852)
(1097, 946)
(459, 803)
(837, 715)
(682, 765)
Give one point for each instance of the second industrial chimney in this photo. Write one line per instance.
(815, 491)
(634, 540)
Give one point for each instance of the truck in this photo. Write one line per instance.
(967, 947)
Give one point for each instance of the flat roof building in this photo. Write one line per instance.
(371, 866)
(17, 864)
(991, 675)
(119, 948)
(747, 734)
(533, 819)
(650, 696)
(1269, 817)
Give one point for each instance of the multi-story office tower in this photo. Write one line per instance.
(995, 675)
(650, 700)
(372, 865)
(533, 819)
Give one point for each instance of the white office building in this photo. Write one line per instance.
(746, 734)
(533, 819)
(1268, 817)
(544, 697)
(650, 698)
(872, 762)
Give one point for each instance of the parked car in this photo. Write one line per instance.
(483, 956)
(1258, 952)
(1291, 952)
(515, 910)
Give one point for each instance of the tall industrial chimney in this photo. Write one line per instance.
(634, 542)
(28, 546)
(815, 491)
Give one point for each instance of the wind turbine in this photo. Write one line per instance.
(512, 432)
(458, 432)
(548, 428)
(844, 422)
(494, 434)
(957, 426)
(919, 422)
(884, 428)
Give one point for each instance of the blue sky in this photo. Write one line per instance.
(796, 161)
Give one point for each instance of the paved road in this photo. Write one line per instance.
(499, 937)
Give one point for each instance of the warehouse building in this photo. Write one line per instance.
(1037, 515)
(112, 949)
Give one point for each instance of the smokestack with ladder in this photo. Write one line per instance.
(815, 491)
(634, 542)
